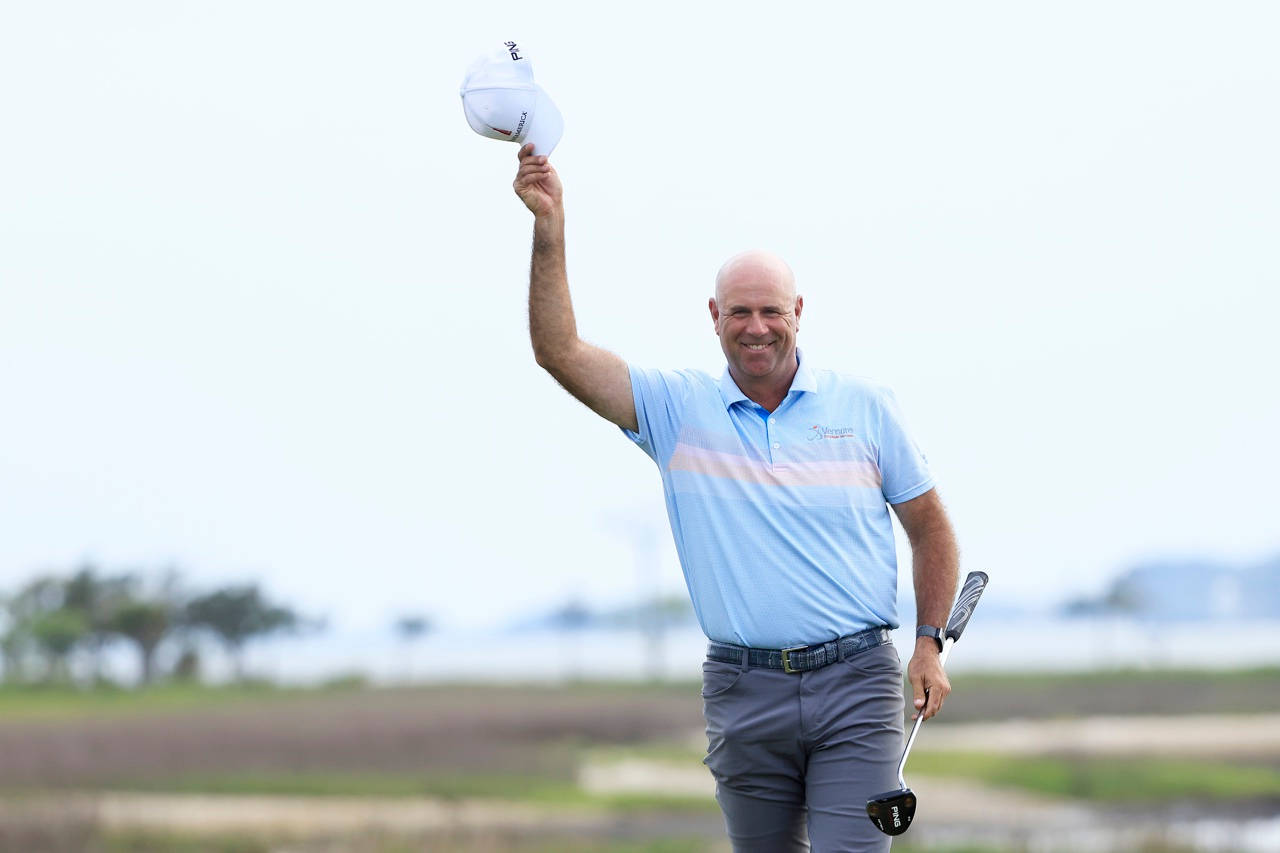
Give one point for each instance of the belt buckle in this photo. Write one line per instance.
(786, 658)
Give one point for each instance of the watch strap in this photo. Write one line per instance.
(931, 631)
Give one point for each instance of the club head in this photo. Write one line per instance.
(892, 811)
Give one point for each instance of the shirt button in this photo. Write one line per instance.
(776, 445)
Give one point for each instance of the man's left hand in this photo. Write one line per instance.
(929, 682)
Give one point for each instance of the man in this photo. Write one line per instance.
(778, 478)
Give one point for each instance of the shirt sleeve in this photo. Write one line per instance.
(904, 469)
(660, 398)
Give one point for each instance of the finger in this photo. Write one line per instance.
(526, 155)
(935, 702)
(937, 695)
(529, 178)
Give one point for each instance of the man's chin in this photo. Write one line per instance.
(757, 370)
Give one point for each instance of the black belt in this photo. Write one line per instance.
(801, 658)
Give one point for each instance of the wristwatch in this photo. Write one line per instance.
(930, 631)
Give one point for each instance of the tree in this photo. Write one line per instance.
(12, 646)
(567, 620)
(30, 607)
(98, 599)
(236, 615)
(144, 623)
(56, 633)
(14, 641)
(411, 628)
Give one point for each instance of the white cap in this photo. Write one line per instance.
(502, 101)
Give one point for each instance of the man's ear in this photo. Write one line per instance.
(799, 308)
(715, 313)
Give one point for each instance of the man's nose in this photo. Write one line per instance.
(757, 325)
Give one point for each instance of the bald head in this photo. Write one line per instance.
(757, 267)
(756, 313)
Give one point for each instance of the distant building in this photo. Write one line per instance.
(1190, 589)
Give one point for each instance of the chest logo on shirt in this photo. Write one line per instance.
(818, 432)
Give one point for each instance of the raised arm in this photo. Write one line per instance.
(595, 376)
(935, 566)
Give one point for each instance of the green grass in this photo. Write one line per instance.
(534, 790)
(1112, 779)
(63, 701)
(20, 702)
(138, 842)
(667, 752)
(154, 842)
(1129, 678)
(666, 845)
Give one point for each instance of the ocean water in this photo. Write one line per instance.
(544, 655)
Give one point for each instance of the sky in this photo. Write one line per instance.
(262, 290)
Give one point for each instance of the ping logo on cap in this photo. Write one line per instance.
(513, 49)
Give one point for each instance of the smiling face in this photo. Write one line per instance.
(756, 313)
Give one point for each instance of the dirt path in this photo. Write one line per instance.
(1194, 735)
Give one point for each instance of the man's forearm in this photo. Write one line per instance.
(551, 323)
(935, 567)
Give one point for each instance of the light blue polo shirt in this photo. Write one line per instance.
(782, 523)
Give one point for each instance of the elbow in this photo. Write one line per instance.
(551, 360)
(552, 357)
(545, 358)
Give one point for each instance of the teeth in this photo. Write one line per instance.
(757, 346)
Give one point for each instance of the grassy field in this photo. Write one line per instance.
(977, 696)
(142, 843)
(1120, 691)
(523, 744)
(1110, 780)
(526, 742)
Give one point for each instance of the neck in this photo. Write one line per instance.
(767, 391)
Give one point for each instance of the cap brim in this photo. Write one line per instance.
(548, 125)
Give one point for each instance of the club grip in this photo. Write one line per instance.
(972, 590)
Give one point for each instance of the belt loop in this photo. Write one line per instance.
(839, 650)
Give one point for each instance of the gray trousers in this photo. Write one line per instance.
(796, 755)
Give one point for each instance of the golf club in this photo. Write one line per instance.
(892, 811)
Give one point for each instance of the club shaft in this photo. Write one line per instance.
(915, 729)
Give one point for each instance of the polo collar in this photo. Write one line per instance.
(804, 380)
